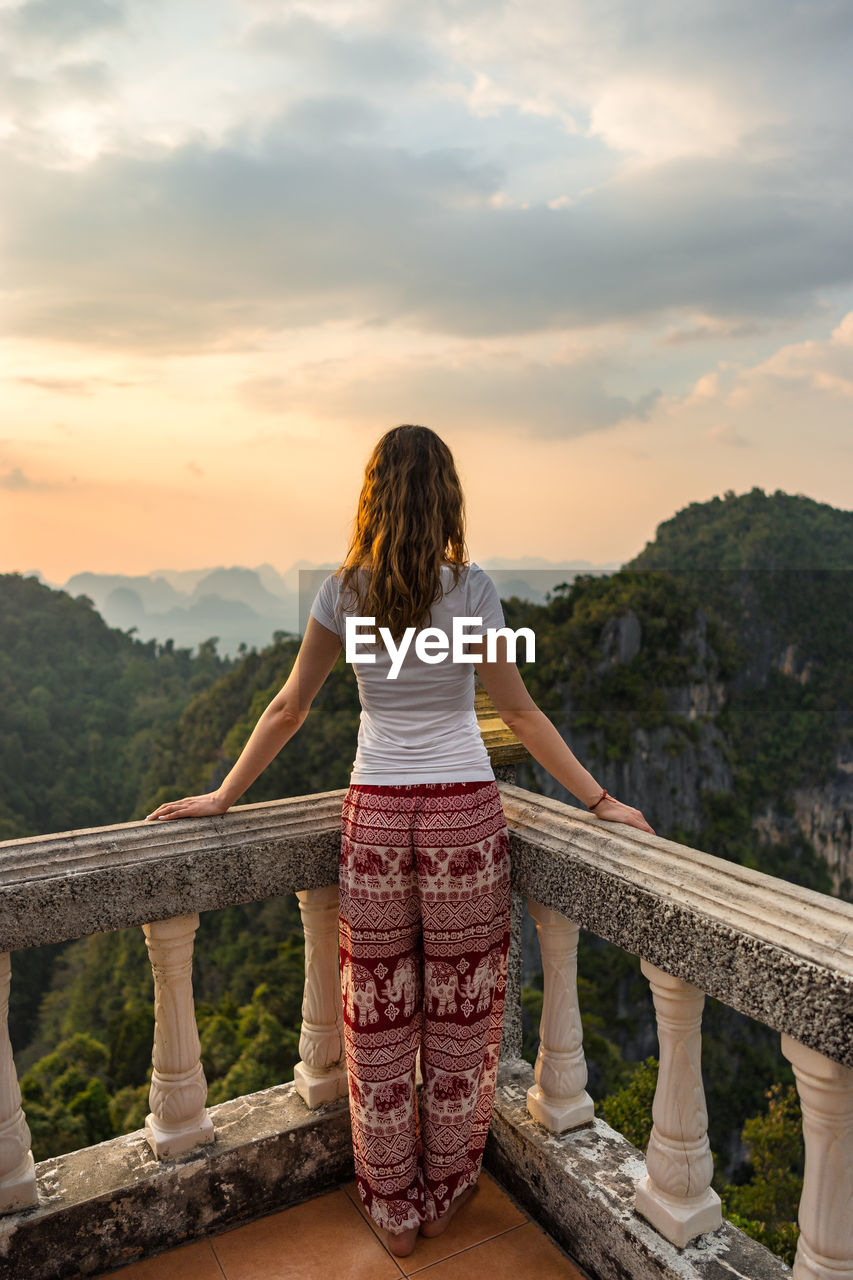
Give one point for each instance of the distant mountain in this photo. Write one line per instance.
(247, 607)
(238, 606)
(755, 530)
(244, 585)
(154, 595)
(548, 566)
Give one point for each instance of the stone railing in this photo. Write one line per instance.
(699, 924)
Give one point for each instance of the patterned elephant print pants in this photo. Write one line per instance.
(424, 934)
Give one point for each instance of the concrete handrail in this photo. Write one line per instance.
(772, 950)
(700, 924)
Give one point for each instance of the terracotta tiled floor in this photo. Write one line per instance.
(331, 1238)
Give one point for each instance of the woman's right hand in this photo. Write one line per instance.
(205, 806)
(613, 810)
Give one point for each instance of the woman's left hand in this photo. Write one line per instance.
(190, 807)
(612, 810)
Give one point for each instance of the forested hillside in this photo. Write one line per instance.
(756, 530)
(83, 706)
(708, 682)
(83, 709)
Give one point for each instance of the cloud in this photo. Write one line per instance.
(327, 118)
(356, 179)
(816, 365)
(61, 386)
(58, 23)
(659, 118)
(201, 244)
(90, 80)
(666, 79)
(710, 329)
(330, 53)
(784, 414)
(70, 386)
(469, 389)
(728, 435)
(40, 113)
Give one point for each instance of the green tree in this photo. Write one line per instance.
(629, 1110)
(65, 1097)
(766, 1206)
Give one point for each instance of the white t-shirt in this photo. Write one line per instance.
(420, 726)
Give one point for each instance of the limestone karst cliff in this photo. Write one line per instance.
(691, 763)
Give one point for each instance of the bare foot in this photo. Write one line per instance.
(401, 1243)
(439, 1225)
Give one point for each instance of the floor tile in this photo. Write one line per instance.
(488, 1213)
(195, 1261)
(523, 1252)
(321, 1239)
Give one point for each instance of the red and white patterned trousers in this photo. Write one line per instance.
(424, 934)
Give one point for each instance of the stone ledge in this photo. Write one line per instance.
(580, 1187)
(770, 949)
(114, 1203)
(110, 1205)
(764, 947)
(63, 886)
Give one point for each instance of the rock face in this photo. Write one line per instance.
(669, 767)
(693, 775)
(824, 816)
(672, 769)
(664, 776)
(620, 639)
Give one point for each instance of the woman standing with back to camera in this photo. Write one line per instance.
(424, 865)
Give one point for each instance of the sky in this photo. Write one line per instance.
(604, 250)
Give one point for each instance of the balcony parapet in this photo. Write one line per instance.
(580, 1185)
(699, 924)
(770, 949)
(54, 888)
(118, 1202)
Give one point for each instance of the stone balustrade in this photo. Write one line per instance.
(699, 924)
(178, 1119)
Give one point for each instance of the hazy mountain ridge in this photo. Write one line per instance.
(247, 606)
(238, 606)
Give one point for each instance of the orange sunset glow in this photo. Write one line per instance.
(612, 270)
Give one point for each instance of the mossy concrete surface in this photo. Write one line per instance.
(579, 1186)
(109, 1205)
(114, 1203)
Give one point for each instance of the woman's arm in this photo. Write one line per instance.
(513, 703)
(279, 722)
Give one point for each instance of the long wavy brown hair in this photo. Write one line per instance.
(410, 521)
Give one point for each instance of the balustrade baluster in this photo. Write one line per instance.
(675, 1196)
(17, 1171)
(559, 1099)
(825, 1246)
(178, 1119)
(321, 1076)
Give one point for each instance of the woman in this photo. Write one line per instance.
(424, 866)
